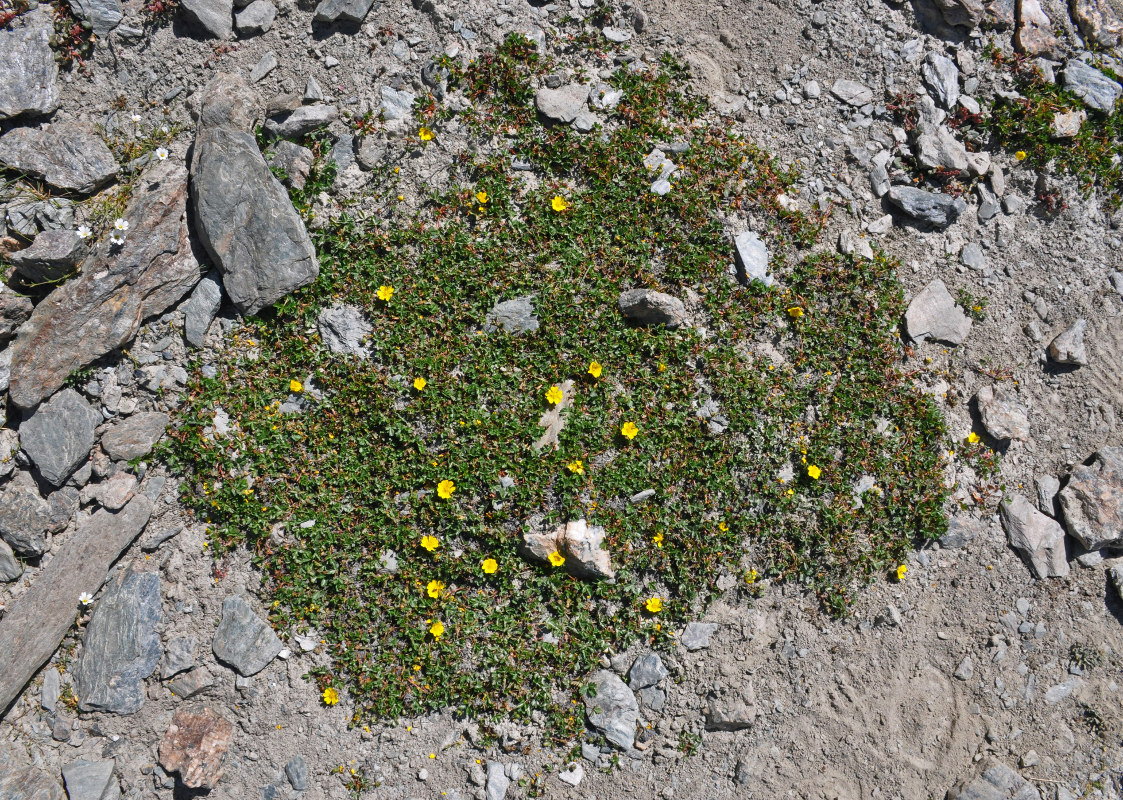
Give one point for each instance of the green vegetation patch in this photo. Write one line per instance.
(803, 374)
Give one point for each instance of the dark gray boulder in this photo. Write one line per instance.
(513, 316)
(24, 517)
(135, 437)
(244, 641)
(934, 208)
(10, 567)
(58, 437)
(30, 84)
(102, 15)
(352, 11)
(613, 710)
(648, 307)
(52, 256)
(65, 156)
(201, 308)
(213, 17)
(14, 311)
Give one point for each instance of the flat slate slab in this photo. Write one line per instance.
(244, 641)
(65, 156)
(135, 437)
(30, 84)
(58, 437)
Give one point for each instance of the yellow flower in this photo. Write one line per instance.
(557, 559)
(795, 312)
(559, 204)
(420, 383)
(595, 369)
(662, 367)
(425, 134)
(385, 292)
(490, 566)
(296, 386)
(973, 437)
(481, 196)
(1020, 155)
(901, 571)
(629, 430)
(437, 630)
(814, 472)
(430, 543)
(554, 395)
(654, 605)
(750, 576)
(445, 489)
(722, 526)
(576, 467)
(331, 696)
(434, 589)
(658, 539)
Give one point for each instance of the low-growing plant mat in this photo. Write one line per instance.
(803, 372)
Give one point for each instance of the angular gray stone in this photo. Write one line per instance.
(66, 156)
(179, 656)
(243, 640)
(852, 93)
(960, 13)
(119, 288)
(934, 208)
(1092, 502)
(191, 683)
(396, 104)
(648, 307)
(58, 437)
(91, 780)
(27, 216)
(201, 308)
(613, 710)
(14, 311)
(352, 11)
(1066, 124)
(751, 255)
(121, 647)
(214, 17)
(1003, 416)
(647, 670)
(583, 548)
(497, 781)
(115, 491)
(1047, 489)
(937, 148)
(1093, 87)
(295, 160)
(1115, 574)
(256, 18)
(996, 782)
(933, 314)
(513, 316)
(1039, 539)
(697, 635)
(1068, 346)
(344, 329)
(51, 689)
(972, 255)
(10, 567)
(564, 104)
(1098, 21)
(242, 213)
(9, 446)
(301, 121)
(135, 437)
(30, 84)
(21, 782)
(734, 710)
(941, 76)
(853, 244)
(296, 770)
(102, 16)
(266, 64)
(51, 257)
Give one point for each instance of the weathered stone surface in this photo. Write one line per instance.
(397, 104)
(583, 548)
(852, 93)
(14, 311)
(1039, 539)
(1066, 124)
(27, 215)
(933, 314)
(344, 329)
(996, 782)
(121, 647)
(513, 316)
(51, 257)
(296, 770)
(696, 635)
(21, 782)
(960, 13)
(214, 17)
(102, 16)
(58, 437)
(295, 160)
(934, 208)
(30, 84)
(117, 490)
(937, 148)
(242, 213)
(191, 683)
(752, 259)
(91, 780)
(1089, 84)
(647, 670)
(497, 783)
(1003, 416)
(352, 11)
(256, 18)
(135, 437)
(941, 76)
(301, 121)
(38, 619)
(733, 710)
(65, 156)
(51, 689)
(564, 104)
(1068, 346)
(1092, 503)
(179, 656)
(243, 640)
(202, 307)
(613, 710)
(10, 567)
(1033, 32)
(1098, 21)
(195, 746)
(9, 446)
(103, 308)
(648, 307)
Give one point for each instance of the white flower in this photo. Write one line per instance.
(84, 232)
(164, 129)
(85, 598)
(161, 154)
(121, 224)
(117, 239)
(136, 117)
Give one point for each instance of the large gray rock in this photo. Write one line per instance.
(1098, 21)
(213, 17)
(696, 635)
(102, 17)
(648, 307)
(613, 710)
(30, 84)
(344, 329)
(296, 161)
(201, 308)
(91, 780)
(941, 76)
(66, 156)
(396, 104)
(564, 104)
(1068, 346)
(179, 656)
(497, 783)
(58, 437)
(10, 567)
(14, 311)
(103, 308)
(647, 670)
(256, 18)
(1039, 539)
(513, 316)
(27, 216)
(1003, 416)
(1034, 32)
(9, 446)
(852, 93)
(296, 770)
(352, 11)
(1092, 503)
(934, 208)
(21, 782)
(996, 782)
(933, 314)
(135, 437)
(121, 647)
(960, 13)
(1093, 87)
(752, 258)
(24, 517)
(300, 121)
(733, 709)
(242, 213)
(938, 149)
(244, 641)
(52, 256)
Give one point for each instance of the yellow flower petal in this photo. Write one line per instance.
(331, 696)
(490, 566)
(814, 472)
(385, 292)
(556, 558)
(559, 204)
(595, 369)
(430, 543)
(420, 383)
(445, 489)
(434, 589)
(554, 395)
(296, 386)
(425, 134)
(629, 430)
(437, 630)
(654, 605)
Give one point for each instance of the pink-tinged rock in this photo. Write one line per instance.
(195, 746)
(1034, 32)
